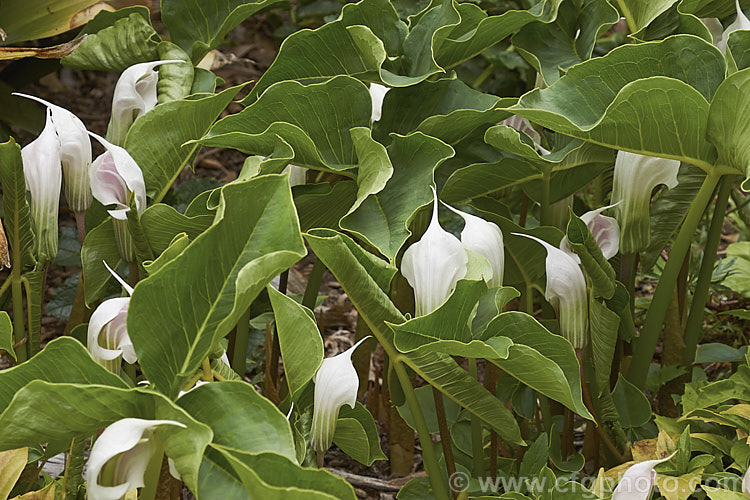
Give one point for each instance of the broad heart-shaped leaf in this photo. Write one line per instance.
(12, 463)
(323, 208)
(362, 276)
(447, 109)
(668, 210)
(162, 223)
(632, 405)
(652, 98)
(98, 247)
(642, 12)
(603, 325)
(737, 51)
(554, 47)
(374, 168)
(273, 477)
(116, 40)
(78, 368)
(711, 8)
(542, 360)
(6, 334)
(199, 26)
(314, 120)
(178, 314)
(728, 122)
(44, 411)
(447, 328)
(477, 31)
(156, 141)
(357, 435)
(241, 419)
(16, 213)
(382, 219)
(299, 339)
(598, 269)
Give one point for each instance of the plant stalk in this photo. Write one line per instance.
(313, 284)
(545, 215)
(19, 330)
(73, 477)
(476, 431)
(439, 487)
(241, 340)
(445, 435)
(627, 15)
(700, 296)
(645, 345)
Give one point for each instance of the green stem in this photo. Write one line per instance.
(129, 370)
(695, 317)
(313, 284)
(153, 471)
(483, 76)
(645, 345)
(476, 431)
(628, 266)
(241, 340)
(546, 414)
(445, 435)
(545, 216)
(439, 487)
(19, 330)
(627, 15)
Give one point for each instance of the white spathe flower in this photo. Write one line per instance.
(114, 175)
(433, 265)
(746, 483)
(75, 154)
(740, 23)
(107, 336)
(605, 231)
(486, 239)
(638, 481)
(523, 125)
(377, 94)
(43, 175)
(635, 177)
(120, 456)
(135, 95)
(566, 291)
(336, 385)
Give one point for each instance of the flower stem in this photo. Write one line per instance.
(19, 330)
(153, 472)
(439, 487)
(545, 215)
(313, 284)
(627, 15)
(241, 340)
(695, 317)
(445, 435)
(81, 225)
(646, 344)
(476, 431)
(72, 479)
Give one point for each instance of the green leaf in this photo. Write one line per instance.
(552, 48)
(115, 41)
(6, 334)
(728, 121)
(374, 168)
(721, 494)
(427, 404)
(718, 353)
(382, 219)
(314, 120)
(668, 211)
(355, 428)
(738, 275)
(603, 327)
(156, 141)
(78, 368)
(324, 209)
(16, 213)
(542, 360)
(162, 224)
(738, 56)
(44, 411)
(273, 477)
(656, 106)
(632, 405)
(175, 317)
(362, 276)
(240, 418)
(33, 20)
(477, 31)
(642, 12)
(98, 247)
(597, 268)
(199, 26)
(175, 80)
(12, 463)
(299, 339)
(710, 8)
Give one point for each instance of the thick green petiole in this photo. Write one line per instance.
(477, 450)
(645, 345)
(241, 340)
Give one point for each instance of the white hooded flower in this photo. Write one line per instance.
(746, 483)
(336, 385)
(120, 456)
(486, 239)
(638, 481)
(605, 231)
(75, 154)
(433, 265)
(107, 335)
(377, 94)
(43, 175)
(135, 95)
(740, 23)
(566, 291)
(114, 177)
(523, 125)
(634, 178)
